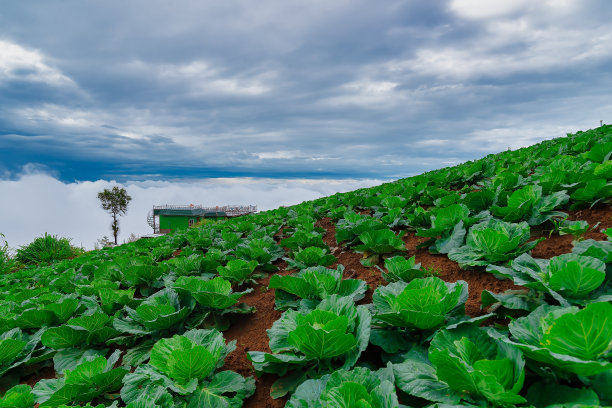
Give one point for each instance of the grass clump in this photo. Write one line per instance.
(46, 249)
(7, 263)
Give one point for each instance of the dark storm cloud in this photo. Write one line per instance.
(133, 90)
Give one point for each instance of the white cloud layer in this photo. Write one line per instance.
(37, 203)
(17, 62)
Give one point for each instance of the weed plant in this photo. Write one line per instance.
(7, 263)
(46, 249)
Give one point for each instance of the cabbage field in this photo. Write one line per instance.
(487, 284)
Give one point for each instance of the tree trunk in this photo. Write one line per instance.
(115, 227)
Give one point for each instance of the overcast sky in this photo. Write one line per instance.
(275, 88)
(137, 91)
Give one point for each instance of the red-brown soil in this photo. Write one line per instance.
(250, 334)
(556, 244)
(38, 372)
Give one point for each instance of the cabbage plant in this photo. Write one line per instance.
(264, 251)
(38, 313)
(96, 328)
(601, 250)
(379, 242)
(493, 241)
(141, 272)
(309, 257)
(554, 395)
(162, 311)
(568, 339)
(447, 229)
(19, 396)
(186, 265)
(359, 387)
(590, 192)
(466, 364)
(215, 300)
(530, 205)
(304, 239)
(313, 285)
(238, 271)
(420, 304)
(214, 293)
(16, 348)
(567, 278)
(399, 268)
(90, 379)
(184, 369)
(403, 310)
(311, 342)
(352, 225)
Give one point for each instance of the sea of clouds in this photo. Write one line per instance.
(35, 203)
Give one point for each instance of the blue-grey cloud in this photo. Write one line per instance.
(134, 90)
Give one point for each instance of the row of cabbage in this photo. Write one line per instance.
(430, 350)
(561, 344)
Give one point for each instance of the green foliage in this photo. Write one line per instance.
(576, 228)
(550, 395)
(262, 250)
(406, 313)
(529, 204)
(46, 249)
(303, 239)
(309, 257)
(592, 192)
(566, 339)
(464, 363)
(359, 387)
(215, 293)
(567, 279)
(90, 379)
(422, 304)
(162, 311)
(184, 369)
(314, 284)
(493, 241)
(238, 270)
(379, 242)
(94, 329)
(17, 347)
(403, 269)
(601, 250)
(353, 225)
(20, 396)
(312, 342)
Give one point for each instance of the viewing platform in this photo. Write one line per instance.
(167, 218)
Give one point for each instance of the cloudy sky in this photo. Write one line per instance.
(137, 91)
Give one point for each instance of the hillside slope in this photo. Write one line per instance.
(404, 290)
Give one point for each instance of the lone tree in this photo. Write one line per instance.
(115, 201)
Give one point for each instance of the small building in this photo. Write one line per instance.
(167, 218)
